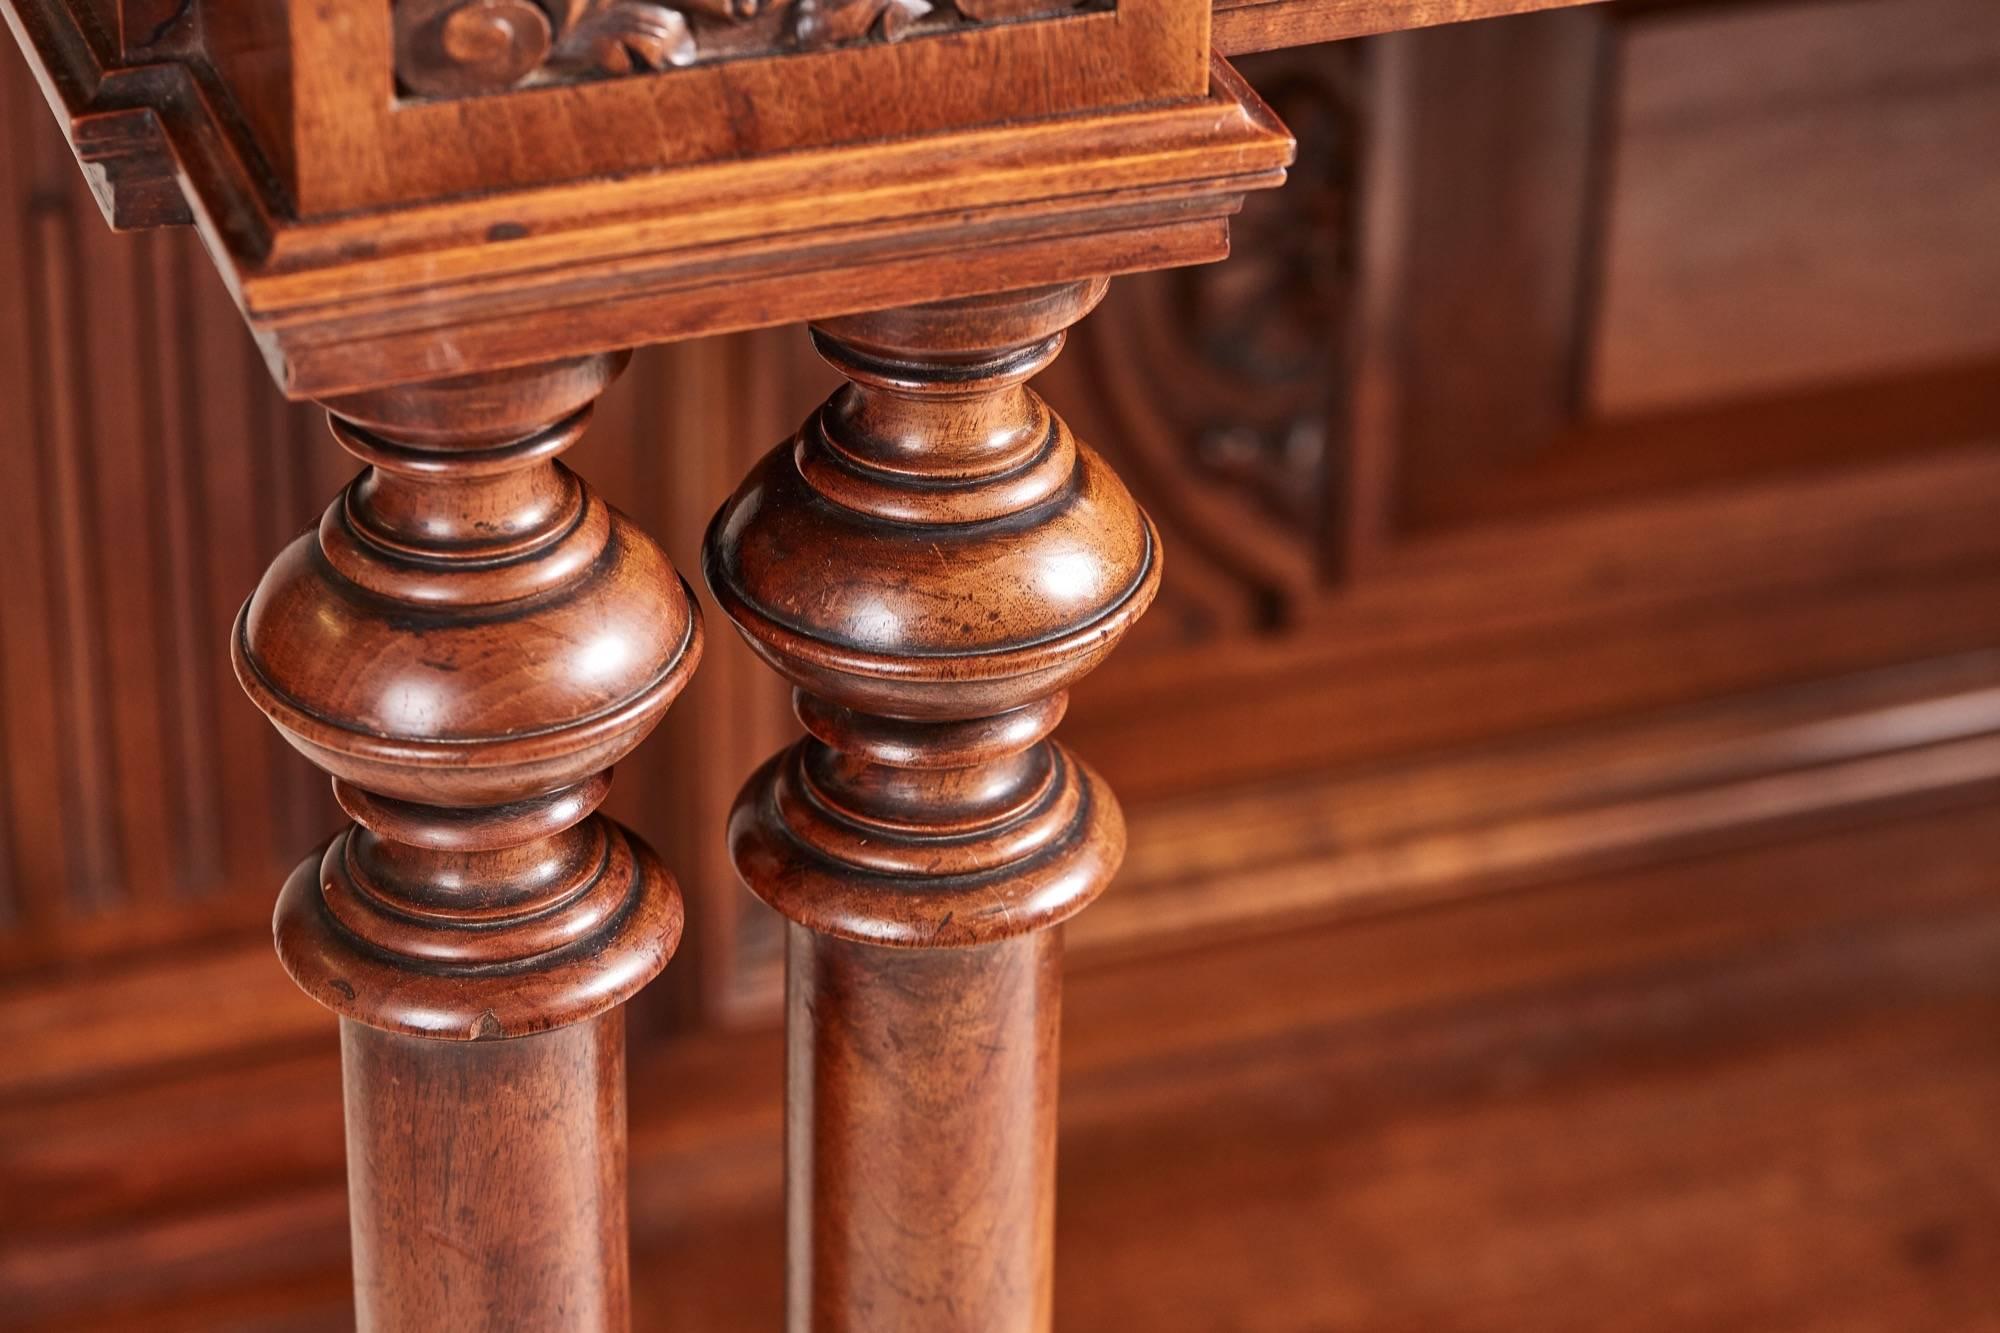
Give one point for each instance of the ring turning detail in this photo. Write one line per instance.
(931, 562)
(468, 642)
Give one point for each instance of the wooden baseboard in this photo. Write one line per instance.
(1556, 803)
(1589, 797)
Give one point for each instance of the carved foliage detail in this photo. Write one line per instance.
(1222, 389)
(632, 37)
(456, 48)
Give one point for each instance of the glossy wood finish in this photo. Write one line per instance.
(921, 1135)
(931, 562)
(443, 1239)
(1256, 997)
(471, 640)
(351, 149)
(468, 642)
(353, 226)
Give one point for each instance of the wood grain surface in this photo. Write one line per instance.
(931, 562)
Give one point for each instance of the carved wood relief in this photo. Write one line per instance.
(1220, 390)
(456, 48)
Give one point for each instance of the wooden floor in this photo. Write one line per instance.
(1757, 1090)
(1595, 1173)
(1802, 1135)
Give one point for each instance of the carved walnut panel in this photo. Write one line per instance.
(454, 48)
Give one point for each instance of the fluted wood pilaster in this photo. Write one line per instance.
(932, 562)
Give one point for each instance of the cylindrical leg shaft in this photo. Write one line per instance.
(921, 1134)
(486, 1179)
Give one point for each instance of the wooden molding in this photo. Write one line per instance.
(407, 263)
(1243, 26)
(1575, 800)
(1462, 825)
(738, 246)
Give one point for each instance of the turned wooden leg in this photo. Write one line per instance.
(468, 642)
(932, 562)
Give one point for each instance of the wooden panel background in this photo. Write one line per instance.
(1802, 195)
(149, 470)
(1503, 769)
(1326, 437)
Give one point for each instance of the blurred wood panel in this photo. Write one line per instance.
(1800, 194)
(150, 466)
(1558, 802)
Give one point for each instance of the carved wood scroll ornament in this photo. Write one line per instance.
(456, 48)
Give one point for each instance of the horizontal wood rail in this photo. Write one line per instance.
(1244, 26)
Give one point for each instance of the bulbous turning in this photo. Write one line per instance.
(468, 642)
(469, 623)
(932, 560)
